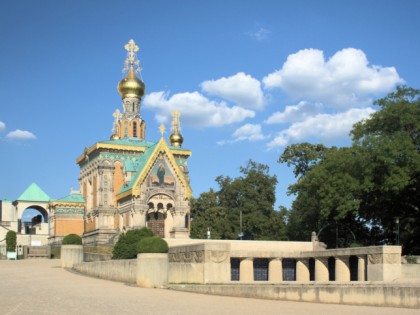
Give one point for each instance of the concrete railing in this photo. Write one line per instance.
(148, 270)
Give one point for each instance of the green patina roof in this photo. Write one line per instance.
(72, 198)
(130, 141)
(139, 165)
(130, 166)
(34, 193)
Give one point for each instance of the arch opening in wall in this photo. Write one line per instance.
(331, 268)
(289, 269)
(234, 269)
(32, 219)
(311, 269)
(260, 269)
(354, 268)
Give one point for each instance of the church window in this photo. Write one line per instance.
(126, 129)
(135, 129)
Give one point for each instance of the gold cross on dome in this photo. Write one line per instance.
(175, 120)
(131, 60)
(162, 129)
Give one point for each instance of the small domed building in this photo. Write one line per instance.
(129, 182)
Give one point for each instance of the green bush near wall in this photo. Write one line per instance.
(72, 239)
(152, 245)
(126, 247)
(11, 241)
(55, 252)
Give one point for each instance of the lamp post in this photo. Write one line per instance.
(241, 234)
(397, 232)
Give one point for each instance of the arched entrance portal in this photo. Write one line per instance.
(158, 217)
(34, 220)
(156, 222)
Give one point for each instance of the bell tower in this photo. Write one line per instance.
(129, 123)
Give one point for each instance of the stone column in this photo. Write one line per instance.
(275, 272)
(246, 270)
(302, 270)
(361, 271)
(342, 270)
(321, 269)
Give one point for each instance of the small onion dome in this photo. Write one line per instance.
(176, 139)
(131, 85)
(114, 137)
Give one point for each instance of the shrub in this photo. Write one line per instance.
(11, 241)
(152, 245)
(126, 248)
(72, 239)
(411, 259)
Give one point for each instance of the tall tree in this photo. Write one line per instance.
(247, 200)
(364, 188)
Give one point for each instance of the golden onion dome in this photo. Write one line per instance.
(176, 139)
(131, 85)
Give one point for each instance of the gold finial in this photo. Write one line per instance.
(176, 138)
(176, 125)
(162, 129)
(131, 61)
(117, 115)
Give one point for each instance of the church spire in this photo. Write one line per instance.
(129, 124)
(176, 138)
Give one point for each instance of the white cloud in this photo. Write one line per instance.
(250, 132)
(240, 88)
(20, 135)
(196, 110)
(295, 113)
(260, 34)
(345, 80)
(2, 126)
(321, 127)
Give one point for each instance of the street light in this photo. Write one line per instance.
(241, 234)
(397, 222)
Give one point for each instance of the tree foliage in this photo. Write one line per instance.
(251, 195)
(126, 247)
(357, 192)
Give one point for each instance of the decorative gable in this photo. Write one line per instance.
(159, 169)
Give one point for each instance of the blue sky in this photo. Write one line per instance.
(249, 78)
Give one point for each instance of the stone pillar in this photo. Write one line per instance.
(71, 255)
(302, 270)
(246, 270)
(321, 269)
(342, 270)
(275, 272)
(361, 271)
(152, 270)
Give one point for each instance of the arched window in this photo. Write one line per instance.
(134, 129)
(125, 129)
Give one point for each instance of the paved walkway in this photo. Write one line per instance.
(42, 287)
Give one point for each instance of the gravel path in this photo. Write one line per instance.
(42, 287)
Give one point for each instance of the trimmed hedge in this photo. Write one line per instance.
(126, 247)
(152, 245)
(11, 241)
(72, 239)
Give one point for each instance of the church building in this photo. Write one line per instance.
(129, 182)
